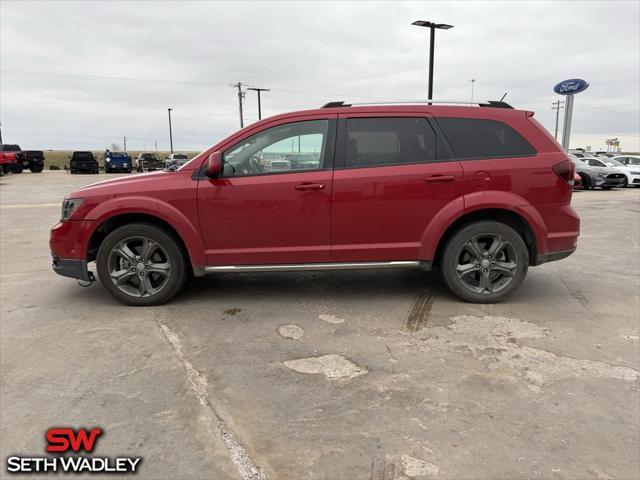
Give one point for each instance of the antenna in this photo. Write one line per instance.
(505, 94)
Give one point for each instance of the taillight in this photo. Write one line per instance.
(566, 171)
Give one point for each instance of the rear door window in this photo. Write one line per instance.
(388, 141)
(474, 138)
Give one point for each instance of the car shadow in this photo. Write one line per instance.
(333, 285)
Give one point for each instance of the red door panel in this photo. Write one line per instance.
(279, 218)
(381, 213)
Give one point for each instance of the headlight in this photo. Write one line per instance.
(634, 173)
(69, 206)
(107, 159)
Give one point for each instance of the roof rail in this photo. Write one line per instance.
(489, 103)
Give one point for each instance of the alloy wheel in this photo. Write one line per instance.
(486, 263)
(139, 266)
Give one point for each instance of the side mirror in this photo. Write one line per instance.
(213, 165)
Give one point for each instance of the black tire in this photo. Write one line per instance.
(6, 169)
(586, 181)
(170, 248)
(457, 257)
(36, 168)
(18, 168)
(625, 183)
(606, 188)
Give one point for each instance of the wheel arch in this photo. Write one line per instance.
(506, 216)
(109, 224)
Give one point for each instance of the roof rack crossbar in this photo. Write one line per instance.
(489, 103)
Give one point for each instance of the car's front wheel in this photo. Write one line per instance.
(484, 262)
(141, 264)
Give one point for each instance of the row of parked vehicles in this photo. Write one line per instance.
(121, 162)
(605, 170)
(15, 160)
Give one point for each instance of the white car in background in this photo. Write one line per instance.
(629, 165)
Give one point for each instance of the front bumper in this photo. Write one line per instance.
(117, 168)
(609, 182)
(72, 268)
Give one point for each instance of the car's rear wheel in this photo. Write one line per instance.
(484, 262)
(18, 168)
(141, 264)
(586, 181)
(36, 168)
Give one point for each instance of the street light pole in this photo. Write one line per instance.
(432, 37)
(170, 133)
(256, 89)
(473, 81)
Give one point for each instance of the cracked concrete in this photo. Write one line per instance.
(332, 366)
(544, 385)
(494, 340)
(293, 332)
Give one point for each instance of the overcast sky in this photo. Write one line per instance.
(84, 74)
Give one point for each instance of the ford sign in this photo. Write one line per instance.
(570, 87)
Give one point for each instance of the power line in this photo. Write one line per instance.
(192, 82)
(206, 115)
(606, 110)
(102, 77)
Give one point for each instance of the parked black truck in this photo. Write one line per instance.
(83, 162)
(29, 159)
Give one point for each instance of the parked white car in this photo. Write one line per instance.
(628, 165)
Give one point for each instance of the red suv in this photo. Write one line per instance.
(483, 192)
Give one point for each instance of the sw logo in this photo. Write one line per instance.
(69, 441)
(65, 439)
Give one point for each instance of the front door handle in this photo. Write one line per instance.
(310, 186)
(440, 178)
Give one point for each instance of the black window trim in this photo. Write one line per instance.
(341, 143)
(496, 157)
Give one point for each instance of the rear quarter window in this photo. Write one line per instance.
(473, 138)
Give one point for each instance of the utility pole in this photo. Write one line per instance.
(170, 133)
(156, 143)
(256, 89)
(473, 80)
(557, 106)
(124, 140)
(241, 95)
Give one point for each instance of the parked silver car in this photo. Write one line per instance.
(594, 173)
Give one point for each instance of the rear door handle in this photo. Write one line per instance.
(310, 186)
(440, 178)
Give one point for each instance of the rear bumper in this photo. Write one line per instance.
(72, 268)
(552, 256)
(84, 167)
